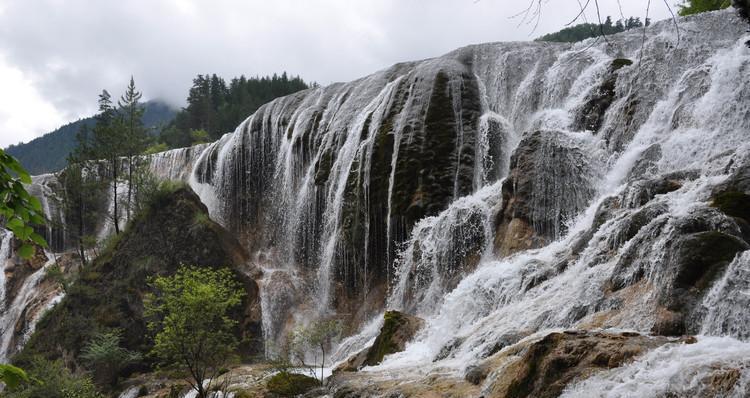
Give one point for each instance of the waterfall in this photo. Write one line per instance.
(500, 189)
(700, 125)
(9, 337)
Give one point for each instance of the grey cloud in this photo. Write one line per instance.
(72, 49)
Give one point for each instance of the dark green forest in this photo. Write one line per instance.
(588, 30)
(215, 107)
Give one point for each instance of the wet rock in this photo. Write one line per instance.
(591, 115)
(549, 182)
(476, 374)
(640, 192)
(646, 164)
(544, 368)
(398, 329)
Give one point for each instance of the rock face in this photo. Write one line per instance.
(550, 182)
(545, 367)
(398, 329)
(174, 230)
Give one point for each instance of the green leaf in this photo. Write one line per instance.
(38, 239)
(12, 376)
(26, 251)
(36, 205)
(14, 223)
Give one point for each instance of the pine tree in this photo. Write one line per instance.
(134, 135)
(107, 144)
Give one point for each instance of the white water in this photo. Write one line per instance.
(680, 369)
(12, 315)
(494, 301)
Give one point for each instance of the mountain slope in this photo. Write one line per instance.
(48, 153)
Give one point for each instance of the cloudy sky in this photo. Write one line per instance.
(57, 55)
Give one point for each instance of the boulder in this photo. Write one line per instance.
(549, 183)
(544, 368)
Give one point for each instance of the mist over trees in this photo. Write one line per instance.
(215, 107)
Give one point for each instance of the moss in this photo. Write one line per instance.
(286, 384)
(384, 344)
(733, 203)
(703, 256)
(620, 63)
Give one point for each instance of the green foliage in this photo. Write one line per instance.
(56, 274)
(105, 357)
(217, 108)
(12, 376)
(19, 211)
(287, 384)
(51, 379)
(84, 201)
(691, 7)
(199, 136)
(190, 321)
(588, 30)
(156, 148)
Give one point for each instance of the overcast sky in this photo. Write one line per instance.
(57, 55)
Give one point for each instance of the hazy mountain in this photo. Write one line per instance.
(48, 153)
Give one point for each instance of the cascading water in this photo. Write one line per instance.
(10, 340)
(700, 125)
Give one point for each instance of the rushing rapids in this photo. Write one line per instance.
(504, 189)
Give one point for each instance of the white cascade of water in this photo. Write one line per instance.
(700, 125)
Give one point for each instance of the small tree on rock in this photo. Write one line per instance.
(314, 339)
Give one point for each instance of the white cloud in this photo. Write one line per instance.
(23, 112)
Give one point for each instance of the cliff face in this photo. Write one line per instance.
(108, 293)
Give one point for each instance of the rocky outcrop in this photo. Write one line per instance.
(591, 114)
(539, 367)
(398, 329)
(543, 368)
(549, 183)
(108, 294)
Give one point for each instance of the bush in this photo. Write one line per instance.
(51, 379)
(106, 358)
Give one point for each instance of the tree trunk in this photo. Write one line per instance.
(115, 216)
(130, 184)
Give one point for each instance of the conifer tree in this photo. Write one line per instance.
(107, 144)
(134, 135)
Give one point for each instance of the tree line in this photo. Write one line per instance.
(215, 107)
(588, 30)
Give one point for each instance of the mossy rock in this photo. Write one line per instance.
(398, 328)
(702, 256)
(733, 203)
(285, 384)
(620, 63)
